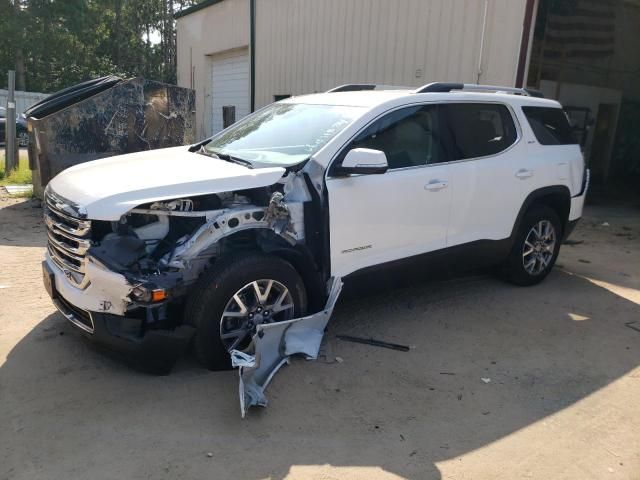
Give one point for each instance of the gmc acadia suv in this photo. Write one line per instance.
(214, 243)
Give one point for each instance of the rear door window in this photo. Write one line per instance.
(550, 125)
(478, 129)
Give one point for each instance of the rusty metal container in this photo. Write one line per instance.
(106, 117)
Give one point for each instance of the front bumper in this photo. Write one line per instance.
(127, 337)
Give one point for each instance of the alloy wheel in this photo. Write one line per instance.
(539, 247)
(258, 302)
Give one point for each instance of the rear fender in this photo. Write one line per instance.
(557, 197)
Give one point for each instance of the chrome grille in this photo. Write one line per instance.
(69, 238)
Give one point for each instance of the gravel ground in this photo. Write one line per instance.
(501, 382)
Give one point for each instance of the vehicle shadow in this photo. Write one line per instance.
(21, 223)
(377, 412)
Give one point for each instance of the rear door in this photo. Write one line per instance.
(379, 218)
(490, 170)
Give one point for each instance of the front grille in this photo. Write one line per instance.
(69, 237)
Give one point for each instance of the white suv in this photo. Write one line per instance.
(255, 226)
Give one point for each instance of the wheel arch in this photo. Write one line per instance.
(267, 241)
(557, 197)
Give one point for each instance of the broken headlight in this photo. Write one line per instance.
(148, 294)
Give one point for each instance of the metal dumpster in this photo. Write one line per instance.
(105, 117)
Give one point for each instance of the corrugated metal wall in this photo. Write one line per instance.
(219, 28)
(305, 46)
(23, 99)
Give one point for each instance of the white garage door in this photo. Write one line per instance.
(229, 87)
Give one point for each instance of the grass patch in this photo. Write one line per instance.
(19, 176)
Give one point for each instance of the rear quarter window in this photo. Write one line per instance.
(550, 125)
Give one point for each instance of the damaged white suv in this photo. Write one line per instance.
(258, 224)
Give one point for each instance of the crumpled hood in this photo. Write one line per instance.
(110, 187)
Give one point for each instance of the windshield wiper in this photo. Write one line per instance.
(198, 146)
(226, 157)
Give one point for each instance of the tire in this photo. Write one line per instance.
(23, 139)
(518, 268)
(214, 293)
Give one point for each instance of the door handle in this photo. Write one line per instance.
(524, 173)
(435, 185)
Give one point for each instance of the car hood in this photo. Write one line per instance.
(110, 187)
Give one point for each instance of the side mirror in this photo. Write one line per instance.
(364, 161)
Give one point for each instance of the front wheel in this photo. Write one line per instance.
(235, 296)
(536, 247)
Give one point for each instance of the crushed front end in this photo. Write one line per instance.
(99, 299)
(124, 283)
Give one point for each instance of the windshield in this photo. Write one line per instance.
(283, 134)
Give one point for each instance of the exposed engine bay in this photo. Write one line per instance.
(164, 246)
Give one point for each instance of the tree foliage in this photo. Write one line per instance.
(53, 44)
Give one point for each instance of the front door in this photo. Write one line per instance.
(379, 218)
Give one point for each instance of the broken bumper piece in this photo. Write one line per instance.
(273, 344)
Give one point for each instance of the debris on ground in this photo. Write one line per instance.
(485, 379)
(374, 343)
(633, 325)
(573, 242)
(605, 224)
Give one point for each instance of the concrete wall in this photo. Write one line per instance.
(217, 29)
(306, 46)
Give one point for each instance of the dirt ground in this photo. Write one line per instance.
(501, 382)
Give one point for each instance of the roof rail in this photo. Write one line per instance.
(472, 87)
(353, 87)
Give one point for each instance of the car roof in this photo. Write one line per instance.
(372, 98)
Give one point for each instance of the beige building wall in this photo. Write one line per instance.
(306, 46)
(215, 30)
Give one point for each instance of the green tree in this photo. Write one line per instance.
(56, 43)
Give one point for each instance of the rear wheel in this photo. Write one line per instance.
(235, 296)
(536, 247)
